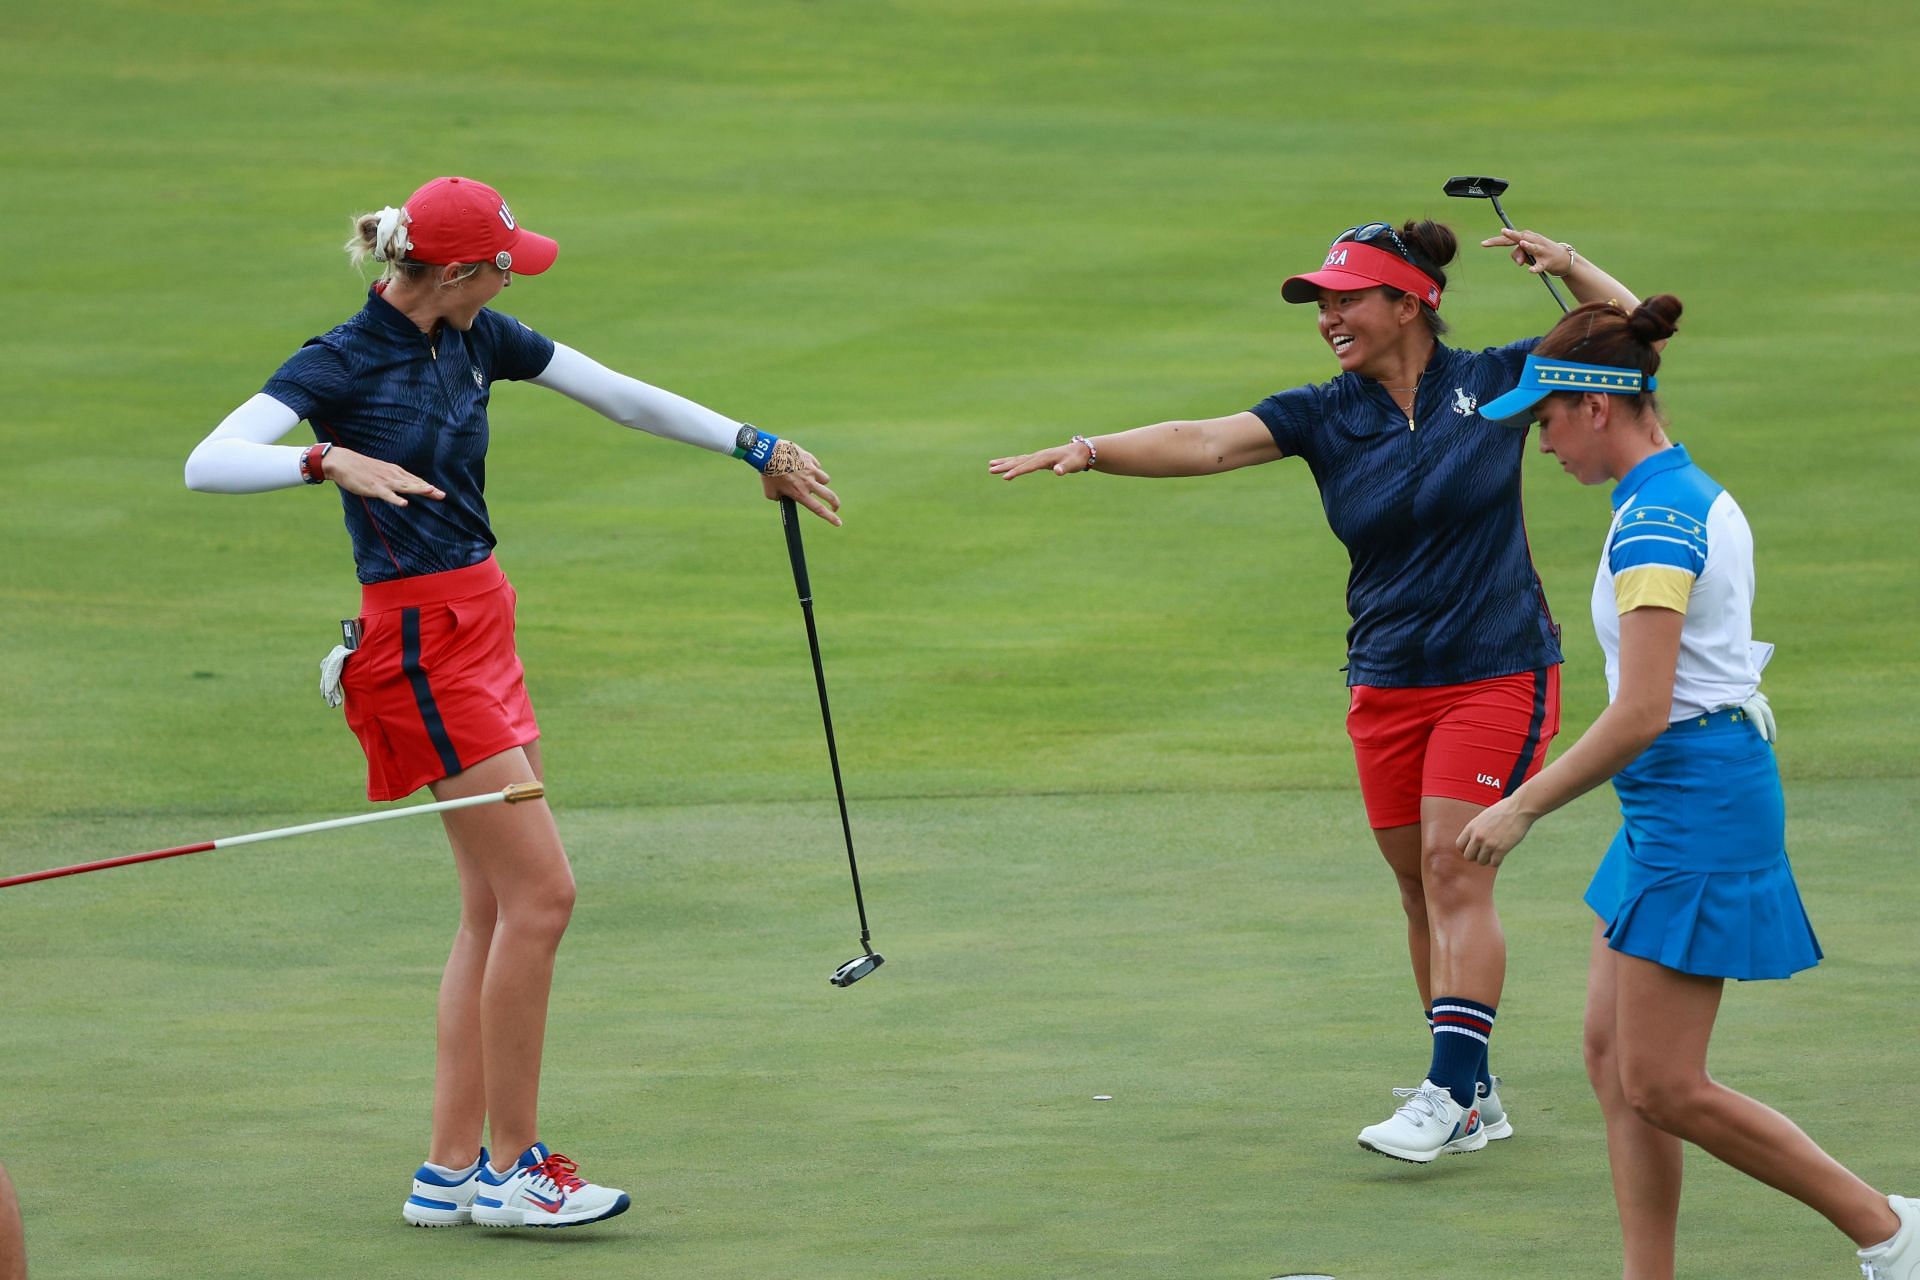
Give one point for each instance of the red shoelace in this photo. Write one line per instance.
(561, 1170)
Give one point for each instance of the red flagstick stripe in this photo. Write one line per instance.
(512, 794)
(104, 863)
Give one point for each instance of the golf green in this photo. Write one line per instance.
(1091, 727)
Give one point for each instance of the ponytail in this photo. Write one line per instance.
(382, 236)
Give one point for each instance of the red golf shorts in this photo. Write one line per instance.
(1473, 742)
(436, 685)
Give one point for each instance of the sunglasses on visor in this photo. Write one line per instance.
(1368, 232)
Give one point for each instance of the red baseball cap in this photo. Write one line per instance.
(460, 220)
(1351, 265)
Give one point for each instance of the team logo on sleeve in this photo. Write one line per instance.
(1464, 404)
(479, 380)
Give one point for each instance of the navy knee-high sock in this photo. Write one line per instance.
(1483, 1077)
(1461, 1031)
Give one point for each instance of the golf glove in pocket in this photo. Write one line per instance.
(331, 668)
(1757, 708)
(1761, 713)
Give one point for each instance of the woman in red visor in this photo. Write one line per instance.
(1452, 656)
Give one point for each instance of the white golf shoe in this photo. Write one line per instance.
(1898, 1258)
(1492, 1113)
(1427, 1124)
(440, 1201)
(542, 1190)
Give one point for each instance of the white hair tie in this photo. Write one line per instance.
(390, 242)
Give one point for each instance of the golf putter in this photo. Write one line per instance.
(861, 965)
(1490, 189)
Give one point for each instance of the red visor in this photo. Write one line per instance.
(1351, 265)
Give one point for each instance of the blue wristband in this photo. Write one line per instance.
(755, 446)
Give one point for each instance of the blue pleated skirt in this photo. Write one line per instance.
(1697, 878)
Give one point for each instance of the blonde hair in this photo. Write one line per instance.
(382, 236)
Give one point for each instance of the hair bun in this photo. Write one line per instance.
(1656, 319)
(1431, 240)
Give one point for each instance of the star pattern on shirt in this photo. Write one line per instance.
(1671, 519)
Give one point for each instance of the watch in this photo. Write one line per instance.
(313, 463)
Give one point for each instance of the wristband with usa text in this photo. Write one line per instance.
(754, 446)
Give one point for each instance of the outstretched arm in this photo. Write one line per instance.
(240, 456)
(1188, 448)
(787, 471)
(1587, 282)
(636, 404)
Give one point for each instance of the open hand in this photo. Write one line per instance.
(1062, 460)
(797, 475)
(372, 478)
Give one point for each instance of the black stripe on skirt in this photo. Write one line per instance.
(423, 692)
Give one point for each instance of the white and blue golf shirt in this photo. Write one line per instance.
(1679, 541)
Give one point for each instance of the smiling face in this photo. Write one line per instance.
(1365, 328)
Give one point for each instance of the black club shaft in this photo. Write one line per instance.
(790, 521)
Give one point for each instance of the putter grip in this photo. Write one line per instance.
(790, 521)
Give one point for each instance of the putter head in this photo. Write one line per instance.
(857, 968)
(1475, 188)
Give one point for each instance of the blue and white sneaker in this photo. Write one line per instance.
(1427, 1124)
(542, 1190)
(440, 1201)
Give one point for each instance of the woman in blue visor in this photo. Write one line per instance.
(1696, 887)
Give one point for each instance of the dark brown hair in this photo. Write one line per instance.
(1605, 333)
(1430, 247)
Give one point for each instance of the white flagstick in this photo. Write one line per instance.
(512, 794)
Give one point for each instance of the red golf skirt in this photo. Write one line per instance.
(1473, 742)
(436, 685)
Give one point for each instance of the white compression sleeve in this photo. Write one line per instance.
(240, 456)
(633, 403)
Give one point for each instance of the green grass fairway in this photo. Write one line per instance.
(1091, 727)
(233, 1046)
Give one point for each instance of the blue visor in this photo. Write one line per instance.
(1542, 377)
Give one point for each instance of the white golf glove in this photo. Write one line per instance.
(1757, 708)
(330, 668)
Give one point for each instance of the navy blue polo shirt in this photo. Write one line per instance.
(1442, 588)
(380, 387)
